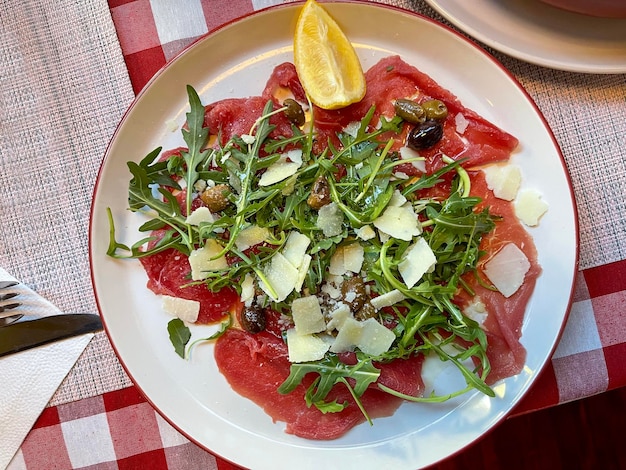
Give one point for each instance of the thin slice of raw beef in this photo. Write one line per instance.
(255, 365)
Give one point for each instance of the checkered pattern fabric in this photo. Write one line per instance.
(152, 32)
(119, 429)
(123, 431)
(590, 356)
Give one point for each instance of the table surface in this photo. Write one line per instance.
(80, 80)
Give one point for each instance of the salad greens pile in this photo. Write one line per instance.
(361, 178)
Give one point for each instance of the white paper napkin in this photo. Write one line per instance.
(29, 378)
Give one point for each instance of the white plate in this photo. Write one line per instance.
(541, 34)
(235, 61)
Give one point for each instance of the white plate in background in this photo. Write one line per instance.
(541, 34)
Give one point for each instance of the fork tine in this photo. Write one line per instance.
(8, 296)
(6, 284)
(6, 310)
(7, 313)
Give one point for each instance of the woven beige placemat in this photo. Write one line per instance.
(63, 89)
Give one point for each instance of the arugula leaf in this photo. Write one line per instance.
(196, 137)
(330, 371)
(179, 335)
(329, 407)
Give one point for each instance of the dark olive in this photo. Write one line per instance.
(294, 112)
(253, 319)
(353, 293)
(425, 135)
(320, 193)
(365, 312)
(409, 110)
(435, 109)
(216, 197)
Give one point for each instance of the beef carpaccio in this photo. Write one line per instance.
(280, 242)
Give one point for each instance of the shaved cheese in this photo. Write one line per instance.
(330, 220)
(369, 336)
(247, 290)
(332, 290)
(477, 311)
(278, 171)
(348, 336)
(303, 270)
(248, 139)
(387, 299)
(352, 128)
(281, 277)
(200, 215)
(251, 236)
(503, 180)
(294, 251)
(375, 339)
(507, 269)
(397, 199)
(353, 255)
(295, 248)
(409, 154)
(338, 317)
(295, 155)
(530, 207)
(336, 265)
(307, 315)
(460, 123)
(186, 310)
(347, 258)
(418, 260)
(399, 222)
(201, 261)
(365, 233)
(305, 348)
(200, 185)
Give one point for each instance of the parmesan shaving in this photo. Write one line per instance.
(507, 269)
(530, 207)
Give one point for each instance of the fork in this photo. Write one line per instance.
(7, 316)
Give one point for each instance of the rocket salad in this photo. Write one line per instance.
(344, 197)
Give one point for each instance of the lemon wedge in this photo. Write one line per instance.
(327, 64)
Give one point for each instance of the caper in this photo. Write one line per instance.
(435, 109)
(253, 319)
(425, 135)
(294, 112)
(216, 197)
(365, 312)
(409, 110)
(353, 293)
(320, 193)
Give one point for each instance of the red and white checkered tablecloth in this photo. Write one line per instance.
(115, 430)
(119, 429)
